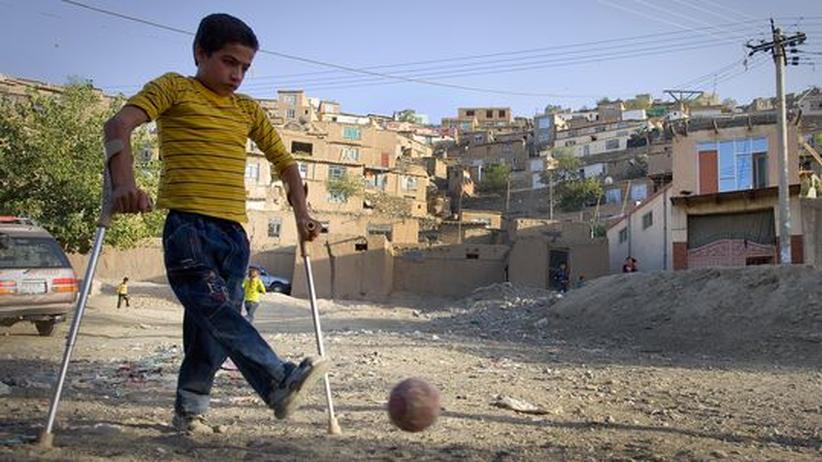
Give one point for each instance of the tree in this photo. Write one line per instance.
(553, 109)
(572, 190)
(345, 186)
(51, 166)
(603, 100)
(407, 115)
(495, 178)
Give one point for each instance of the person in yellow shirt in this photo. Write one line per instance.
(203, 127)
(122, 293)
(253, 287)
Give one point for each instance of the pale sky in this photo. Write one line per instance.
(522, 54)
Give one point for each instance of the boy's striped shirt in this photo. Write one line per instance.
(203, 145)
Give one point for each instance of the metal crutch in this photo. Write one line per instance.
(46, 438)
(333, 425)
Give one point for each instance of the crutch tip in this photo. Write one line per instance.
(45, 440)
(334, 427)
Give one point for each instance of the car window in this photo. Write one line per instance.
(32, 252)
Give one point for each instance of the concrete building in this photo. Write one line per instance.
(725, 195)
(487, 117)
(540, 246)
(295, 106)
(643, 233)
(597, 138)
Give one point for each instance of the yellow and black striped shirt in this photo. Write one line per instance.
(203, 145)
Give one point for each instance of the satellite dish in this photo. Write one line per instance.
(609, 180)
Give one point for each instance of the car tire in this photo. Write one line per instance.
(278, 287)
(45, 328)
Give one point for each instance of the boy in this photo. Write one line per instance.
(203, 126)
(122, 293)
(252, 288)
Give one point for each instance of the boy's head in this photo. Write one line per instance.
(224, 47)
(253, 272)
(125, 279)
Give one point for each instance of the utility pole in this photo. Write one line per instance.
(777, 48)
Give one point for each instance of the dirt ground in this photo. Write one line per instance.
(696, 365)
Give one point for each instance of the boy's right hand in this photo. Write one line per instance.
(130, 199)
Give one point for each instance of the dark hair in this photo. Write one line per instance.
(218, 30)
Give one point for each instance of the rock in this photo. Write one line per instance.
(106, 429)
(221, 429)
(4, 389)
(719, 454)
(541, 322)
(609, 419)
(507, 402)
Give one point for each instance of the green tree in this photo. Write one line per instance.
(407, 115)
(346, 186)
(573, 192)
(495, 178)
(51, 166)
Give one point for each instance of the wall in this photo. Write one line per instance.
(139, 264)
(445, 270)
(812, 225)
(341, 270)
(652, 246)
(528, 263)
(686, 162)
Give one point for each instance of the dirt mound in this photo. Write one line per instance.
(743, 312)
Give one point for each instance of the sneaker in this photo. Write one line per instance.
(191, 424)
(286, 396)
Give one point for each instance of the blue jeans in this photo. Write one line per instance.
(206, 260)
(250, 309)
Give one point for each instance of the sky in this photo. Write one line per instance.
(432, 56)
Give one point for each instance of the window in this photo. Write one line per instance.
(622, 133)
(489, 114)
(613, 196)
(290, 114)
(507, 148)
(291, 100)
(350, 154)
(733, 165)
(275, 226)
(465, 126)
(612, 144)
(376, 181)
(647, 220)
(469, 113)
(302, 148)
(336, 171)
(352, 133)
(252, 171)
(409, 183)
(380, 230)
(570, 143)
(639, 192)
(303, 169)
(586, 150)
(623, 235)
(478, 138)
(501, 113)
(337, 198)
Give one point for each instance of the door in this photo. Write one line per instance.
(555, 258)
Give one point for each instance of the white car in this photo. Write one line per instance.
(37, 282)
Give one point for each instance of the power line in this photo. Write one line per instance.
(719, 6)
(328, 64)
(555, 58)
(591, 44)
(503, 69)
